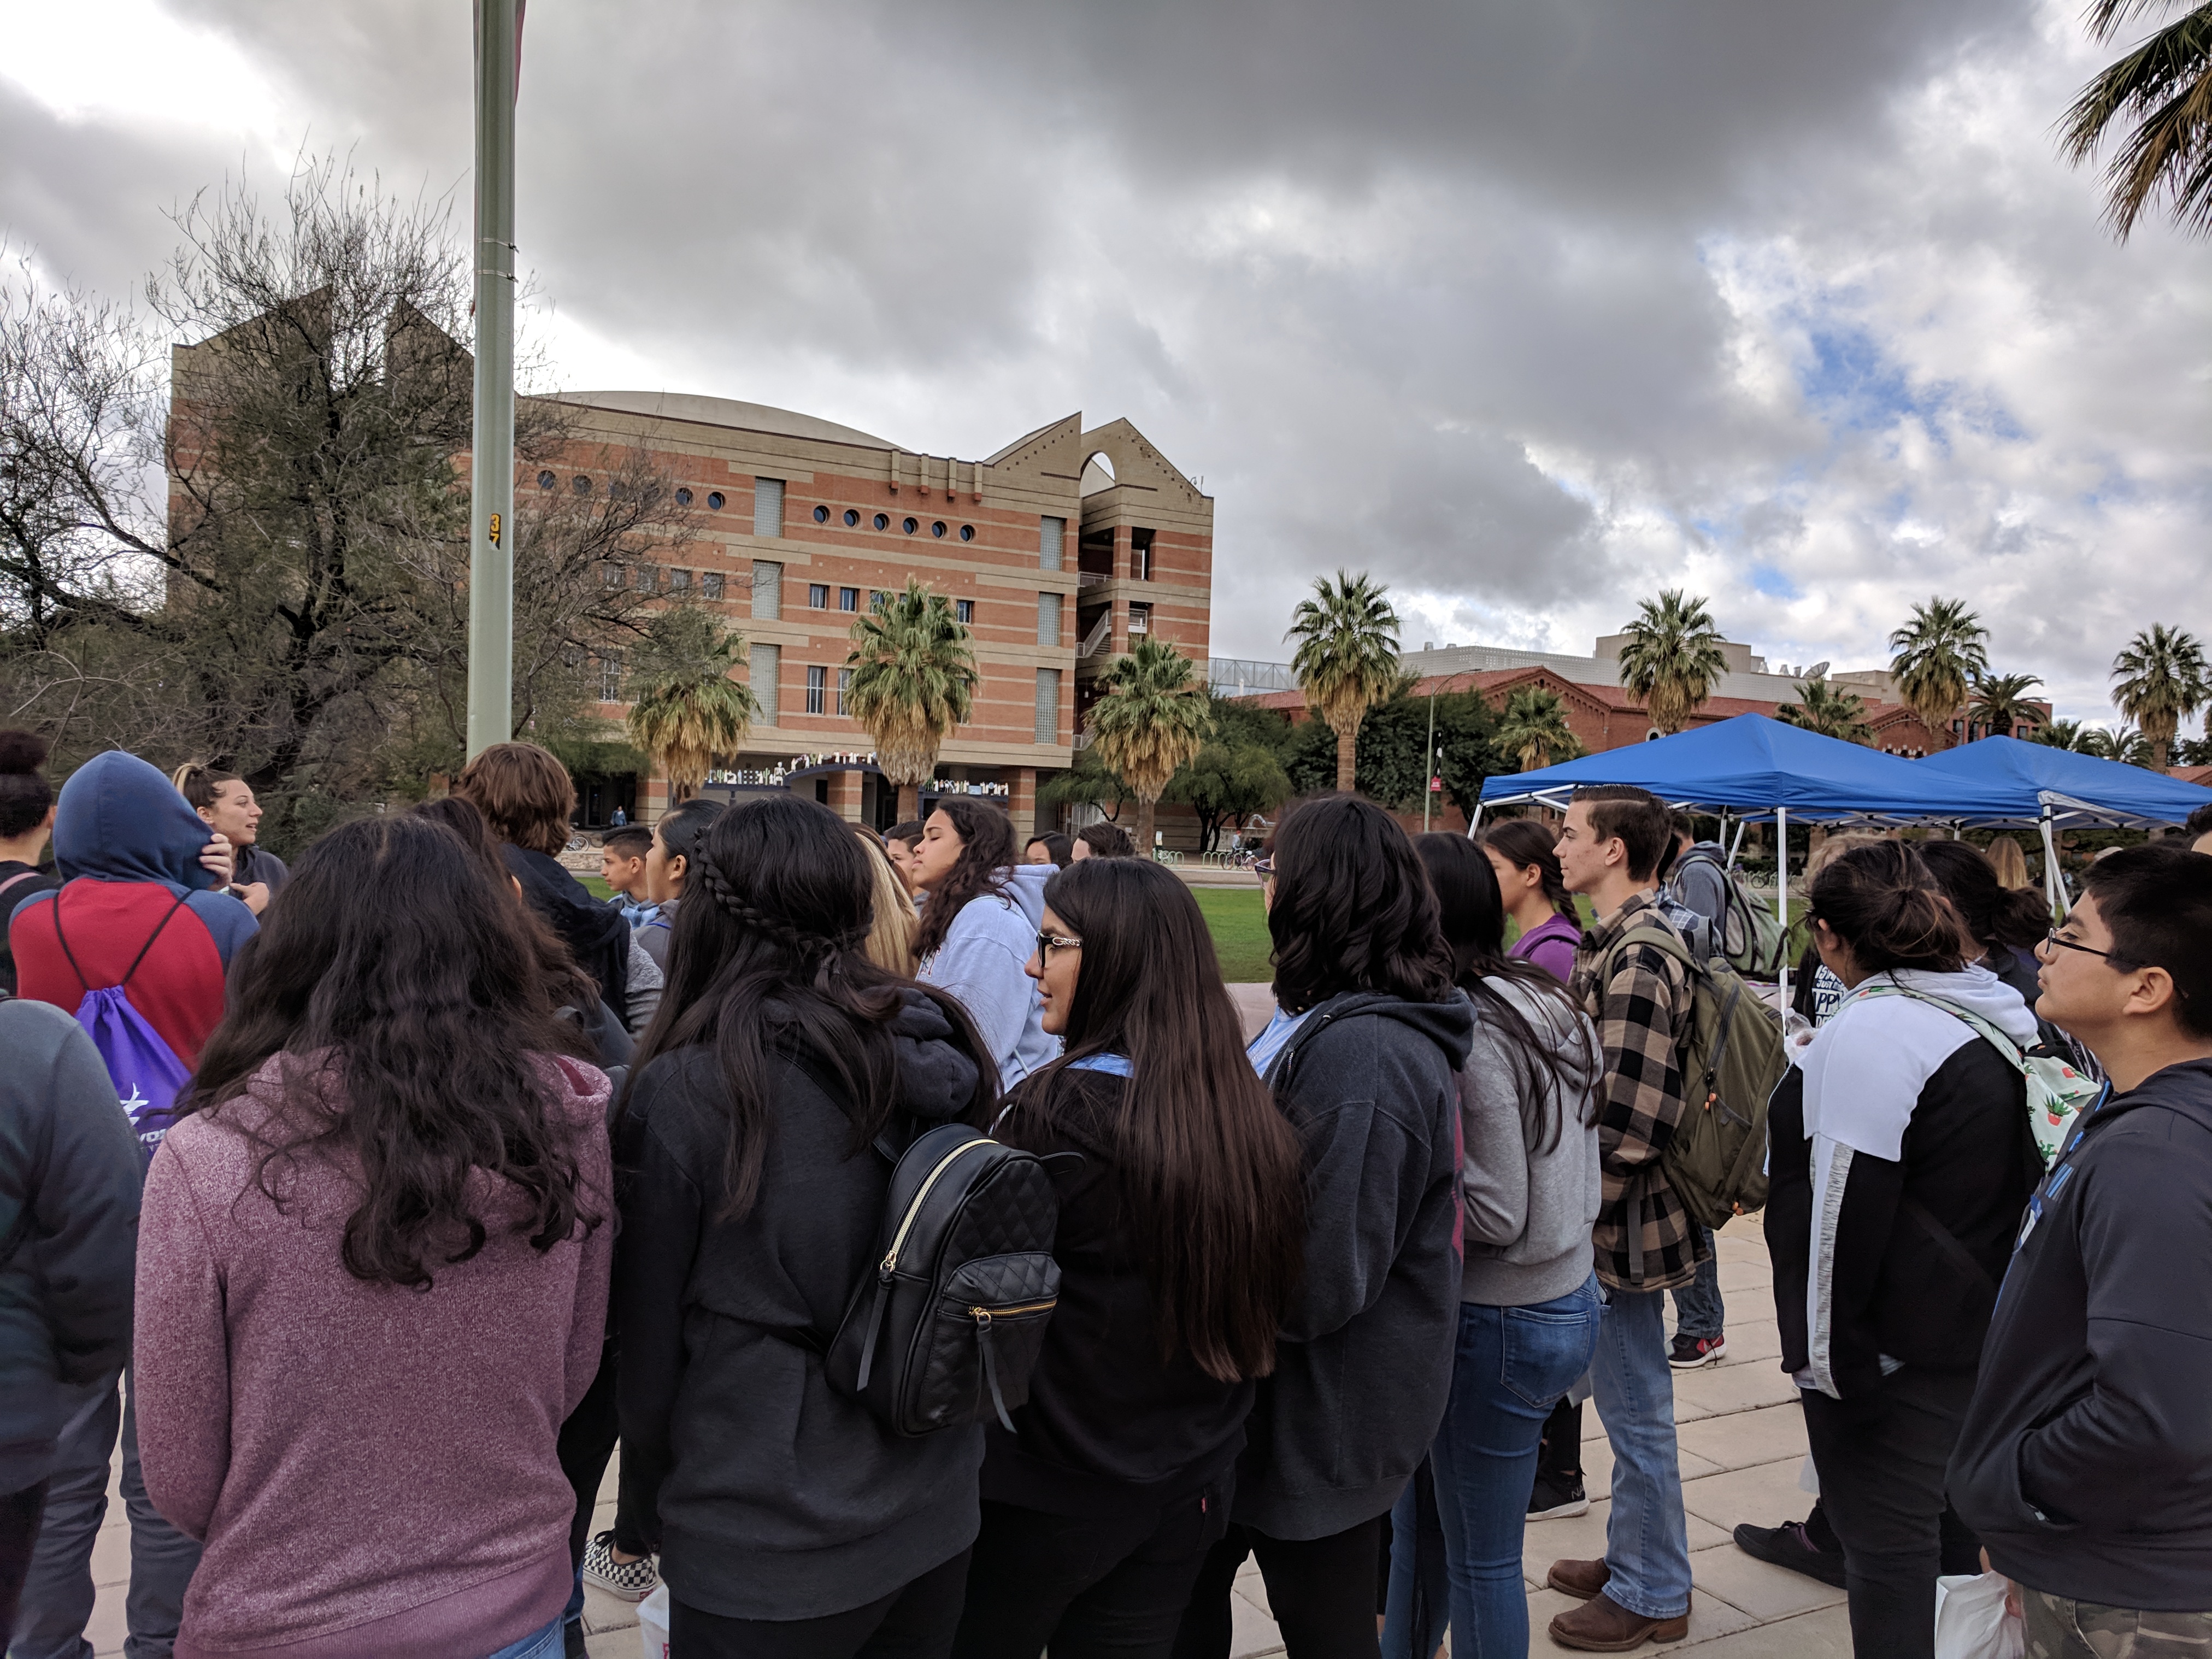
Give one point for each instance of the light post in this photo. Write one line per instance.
(1433, 756)
(491, 456)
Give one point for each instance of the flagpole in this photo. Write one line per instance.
(491, 462)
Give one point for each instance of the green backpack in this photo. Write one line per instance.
(1730, 1060)
(1749, 934)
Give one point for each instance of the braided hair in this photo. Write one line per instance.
(770, 970)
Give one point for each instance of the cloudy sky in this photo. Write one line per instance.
(1529, 308)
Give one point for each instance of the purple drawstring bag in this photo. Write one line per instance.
(146, 1072)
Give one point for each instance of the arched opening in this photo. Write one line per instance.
(1097, 473)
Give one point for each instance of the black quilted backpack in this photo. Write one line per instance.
(954, 1315)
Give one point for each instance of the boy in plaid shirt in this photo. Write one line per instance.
(1610, 851)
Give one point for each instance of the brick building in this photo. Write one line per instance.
(1057, 551)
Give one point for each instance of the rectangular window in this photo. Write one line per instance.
(848, 598)
(711, 584)
(1140, 620)
(612, 574)
(844, 689)
(767, 664)
(1047, 705)
(818, 687)
(767, 507)
(679, 581)
(818, 595)
(1051, 532)
(768, 590)
(642, 578)
(878, 601)
(1049, 620)
(1140, 555)
(611, 677)
(965, 609)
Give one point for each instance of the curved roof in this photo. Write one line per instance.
(725, 411)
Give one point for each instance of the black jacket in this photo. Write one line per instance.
(21, 880)
(1371, 1083)
(596, 936)
(1885, 1283)
(1110, 1426)
(69, 1176)
(769, 1495)
(2086, 1462)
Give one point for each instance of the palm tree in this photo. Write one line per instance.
(2001, 704)
(1829, 710)
(2165, 87)
(686, 709)
(1347, 657)
(1149, 723)
(2067, 734)
(2125, 744)
(2162, 682)
(913, 682)
(1673, 659)
(1940, 653)
(1534, 729)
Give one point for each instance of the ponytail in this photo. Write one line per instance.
(1882, 901)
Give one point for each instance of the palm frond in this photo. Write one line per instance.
(914, 680)
(2163, 87)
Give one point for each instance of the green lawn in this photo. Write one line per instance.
(600, 889)
(1239, 924)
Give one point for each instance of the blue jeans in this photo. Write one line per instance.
(1647, 1540)
(1511, 1366)
(1698, 1310)
(543, 1644)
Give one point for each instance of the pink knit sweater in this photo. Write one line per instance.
(372, 1469)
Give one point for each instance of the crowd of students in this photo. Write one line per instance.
(462, 1178)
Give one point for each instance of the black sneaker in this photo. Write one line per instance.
(1558, 1496)
(1691, 1351)
(1789, 1546)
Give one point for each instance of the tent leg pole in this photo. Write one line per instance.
(1475, 823)
(1782, 899)
(2054, 880)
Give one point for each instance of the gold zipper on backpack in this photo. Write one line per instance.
(898, 1240)
(983, 1315)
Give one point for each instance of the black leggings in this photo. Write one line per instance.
(1085, 1587)
(916, 1622)
(587, 1441)
(1322, 1591)
(19, 1513)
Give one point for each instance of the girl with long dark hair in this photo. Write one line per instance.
(2005, 923)
(1363, 1059)
(1900, 1157)
(789, 1518)
(1528, 1298)
(373, 1271)
(1533, 892)
(978, 928)
(668, 862)
(1181, 1230)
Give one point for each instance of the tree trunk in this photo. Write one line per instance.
(910, 802)
(1145, 803)
(1347, 759)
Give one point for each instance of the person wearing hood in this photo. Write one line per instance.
(789, 1518)
(1363, 1058)
(1528, 1297)
(978, 929)
(141, 908)
(1900, 1156)
(526, 797)
(2085, 1463)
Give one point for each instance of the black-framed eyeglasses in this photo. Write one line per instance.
(2052, 936)
(1048, 942)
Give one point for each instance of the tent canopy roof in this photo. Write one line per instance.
(2078, 790)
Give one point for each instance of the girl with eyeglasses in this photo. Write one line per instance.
(1900, 1157)
(1181, 1225)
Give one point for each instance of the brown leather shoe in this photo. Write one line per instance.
(1601, 1625)
(1580, 1579)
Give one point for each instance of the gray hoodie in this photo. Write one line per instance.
(1529, 1212)
(983, 961)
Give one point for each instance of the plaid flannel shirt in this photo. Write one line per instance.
(1645, 1240)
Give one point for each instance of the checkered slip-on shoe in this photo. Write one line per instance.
(633, 1581)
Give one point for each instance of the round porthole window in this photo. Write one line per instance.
(910, 526)
(967, 532)
(683, 498)
(851, 517)
(715, 501)
(883, 521)
(546, 481)
(580, 484)
(821, 516)
(938, 530)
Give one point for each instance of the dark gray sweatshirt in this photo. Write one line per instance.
(1362, 1373)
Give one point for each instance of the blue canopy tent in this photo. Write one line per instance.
(1756, 769)
(2048, 790)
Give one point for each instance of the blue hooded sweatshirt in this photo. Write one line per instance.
(983, 963)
